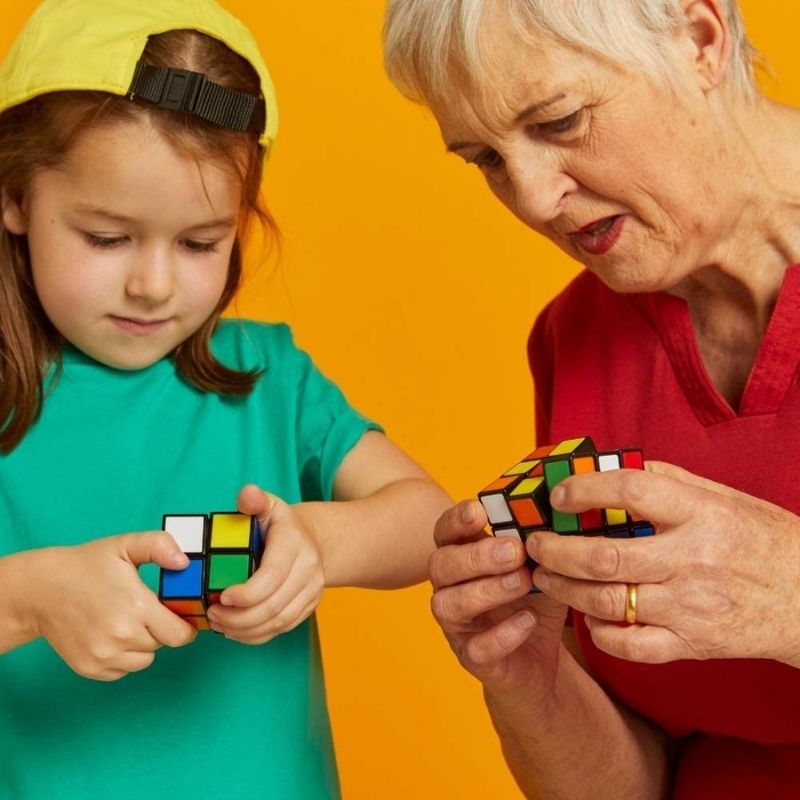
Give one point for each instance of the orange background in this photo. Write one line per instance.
(415, 291)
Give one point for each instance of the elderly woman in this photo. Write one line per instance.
(630, 133)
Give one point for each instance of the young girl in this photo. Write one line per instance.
(132, 137)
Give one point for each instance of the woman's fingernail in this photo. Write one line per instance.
(526, 621)
(511, 581)
(532, 546)
(467, 512)
(557, 496)
(180, 560)
(504, 553)
(541, 579)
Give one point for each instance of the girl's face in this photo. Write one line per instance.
(130, 242)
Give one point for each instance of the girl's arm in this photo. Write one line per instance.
(90, 604)
(378, 533)
(16, 623)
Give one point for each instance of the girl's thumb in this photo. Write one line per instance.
(156, 547)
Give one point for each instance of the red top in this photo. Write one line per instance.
(625, 370)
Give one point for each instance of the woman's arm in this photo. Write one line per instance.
(580, 744)
(562, 735)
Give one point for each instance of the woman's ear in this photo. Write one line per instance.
(707, 29)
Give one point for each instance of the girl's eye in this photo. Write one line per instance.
(563, 125)
(200, 247)
(488, 159)
(104, 242)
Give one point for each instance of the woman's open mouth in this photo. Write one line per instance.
(599, 237)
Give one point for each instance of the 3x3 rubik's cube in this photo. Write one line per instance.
(224, 548)
(518, 502)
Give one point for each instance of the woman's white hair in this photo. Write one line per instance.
(429, 42)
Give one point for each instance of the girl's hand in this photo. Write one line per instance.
(508, 639)
(287, 586)
(90, 604)
(719, 580)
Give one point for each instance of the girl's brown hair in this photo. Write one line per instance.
(38, 135)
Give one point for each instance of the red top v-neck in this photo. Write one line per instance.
(625, 370)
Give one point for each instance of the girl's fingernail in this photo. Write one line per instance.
(526, 621)
(557, 496)
(511, 581)
(180, 559)
(541, 579)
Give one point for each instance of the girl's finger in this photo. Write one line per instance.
(299, 610)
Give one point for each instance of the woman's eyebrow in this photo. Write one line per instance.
(532, 109)
(453, 147)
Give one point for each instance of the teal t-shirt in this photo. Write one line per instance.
(111, 453)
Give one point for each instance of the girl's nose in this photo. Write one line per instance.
(151, 279)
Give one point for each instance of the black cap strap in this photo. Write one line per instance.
(192, 92)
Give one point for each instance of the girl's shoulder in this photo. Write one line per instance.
(244, 344)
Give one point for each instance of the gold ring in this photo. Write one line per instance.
(630, 603)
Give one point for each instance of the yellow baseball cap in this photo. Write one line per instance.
(95, 45)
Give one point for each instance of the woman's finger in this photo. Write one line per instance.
(607, 601)
(457, 563)
(480, 653)
(646, 494)
(651, 559)
(645, 644)
(458, 606)
(464, 522)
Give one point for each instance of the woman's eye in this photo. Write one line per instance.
(200, 247)
(563, 125)
(104, 242)
(488, 159)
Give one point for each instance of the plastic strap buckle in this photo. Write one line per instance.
(191, 92)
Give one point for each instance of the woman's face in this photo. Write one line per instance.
(625, 175)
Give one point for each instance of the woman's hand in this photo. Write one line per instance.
(90, 604)
(508, 639)
(719, 580)
(287, 586)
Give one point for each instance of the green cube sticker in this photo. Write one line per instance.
(226, 570)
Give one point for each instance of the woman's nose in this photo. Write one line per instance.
(538, 189)
(151, 278)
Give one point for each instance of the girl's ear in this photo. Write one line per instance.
(14, 220)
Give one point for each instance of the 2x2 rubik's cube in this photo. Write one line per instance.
(224, 549)
(518, 502)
